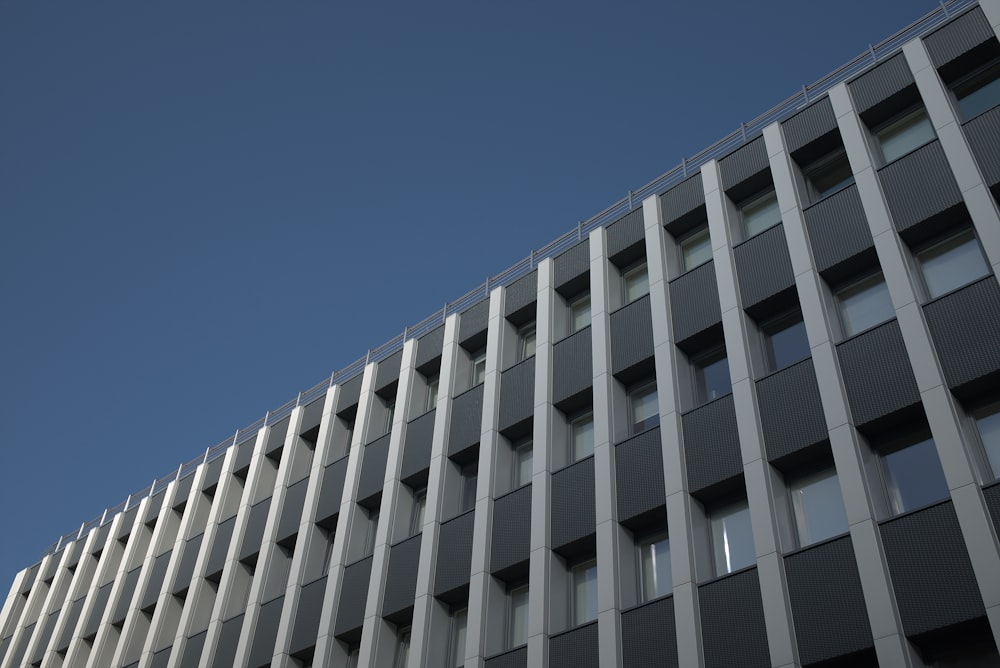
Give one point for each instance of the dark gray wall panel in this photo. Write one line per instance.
(100, 605)
(387, 371)
(631, 335)
(763, 267)
(244, 455)
(72, 617)
(305, 628)
(573, 503)
(877, 374)
(516, 658)
(520, 297)
(276, 437)
(576, 648)
(919, 186)
(253, 536)
(263, 637)
(161, 659)
(45, 635)
(353, 596)
(429, 347)
(678, 203)
(291, 510)
(376, 454)
(732, 622)
(639, 475)
(193, 649)
(332, 490)
(694, 302)
(791, 413)
(711, 444)
(454, 557)
(934, 585)
(212, 473)
(828, 606)
(838, 228)
(517, 394)
(220, 545)
(466, 420)
(649, 637)
(229, 638)
(809, 124)
(155, 582)
(965, 326)
(571, 269)
(417, 446)
(401, 577)
(125, 595)
(880, 83)
(472, 325)
(350, 393)
(128, 522)
(511, 529)
(957, 37)
(992, 496)
(181, 491)
(624, 235)
(312, 414)
(983, 133)
(152, 509)
(185, 570)
(572, 366)
(101, 538)
(744, 163)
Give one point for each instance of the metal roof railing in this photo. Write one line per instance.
(688, 166)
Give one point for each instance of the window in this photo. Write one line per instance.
(584, 606)
(979, 91)
(951, 263)
(402, 648)
(988, 425)
(864, 304)
(525, 342)
(417, 511)
(579, 313)
(635, 282)
(654, 566)
(732, 538)
(818, 507)
(517, 616)
(696, 248)
(581, 437)
(432, 393)
(522, 464)
(470, 475)
(328, 553)
(711, 376)
(370, 531)
(760, 213)
(912, 474)
(390, 411)
(906, 132)
(459, 624)
(478, 367)
(828, 175)
(785, 341)
(644, 408)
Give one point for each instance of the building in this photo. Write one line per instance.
(748, 417)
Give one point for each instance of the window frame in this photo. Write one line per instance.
(799, 515)
(470, 481)
(899, 121)
(987, 410)
(775, 325)
(648, 541)
(526, 339)
(583, 417)
(637, 268)
(390, 414)
(402, 653)
(518, 449)
(699, 363)
(574, 304)
(728, 509)
(433, 388)
(456, 650)
(478, 359)
(510, 631)
(642, 390)
(890, 484)
(850, 287)
(755, 200)
(371, 531)
(822, 166)
(583, 566)
(920, 256)
(689, 240)
(417, 510)
(980, 73)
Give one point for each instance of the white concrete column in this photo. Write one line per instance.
(890, 644)
(10, 603)
(55, 600)
(428, 617)
(482, 534)
(31, 614)
(939, 405)
(757, 474)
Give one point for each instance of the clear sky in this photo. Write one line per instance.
(207, 207)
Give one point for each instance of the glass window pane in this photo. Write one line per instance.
(582, 430)
(732, 538)
(787, 343)
(696, 249)
(979, 93)
(989, 432)
(645, 409)
(527, 342)
(470, 475)
(914, 476)
(417, 514)
(459, 623)
(712, 375)
(819, 508)
(761, 214)
(585, 593)
(829, 175)
(952, 264)
(522, 465)
(654, 564)
(580, 312)
(865, 304)
(478, 368)
(636, 283)
(902, 136)
(518, 630)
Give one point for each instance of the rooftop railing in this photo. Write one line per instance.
(687, 167)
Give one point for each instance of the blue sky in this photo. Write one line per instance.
(208, 207)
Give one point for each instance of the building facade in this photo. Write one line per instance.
(753, 421)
